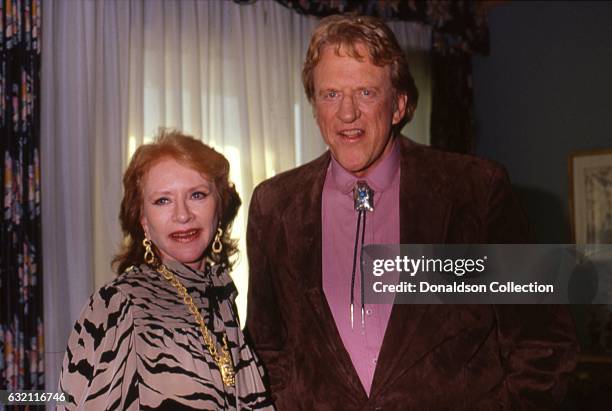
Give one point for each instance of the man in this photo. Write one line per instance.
(319, 352)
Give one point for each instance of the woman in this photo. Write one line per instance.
(164, 334)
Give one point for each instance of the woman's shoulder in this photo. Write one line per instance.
(116, 295)
(129, 283)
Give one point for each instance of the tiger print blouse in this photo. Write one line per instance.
(137, 347)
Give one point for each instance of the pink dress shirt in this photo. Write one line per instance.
(339, 220)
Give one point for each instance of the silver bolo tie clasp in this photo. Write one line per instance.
(363, 197)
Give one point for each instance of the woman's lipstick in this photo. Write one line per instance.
(185, 236)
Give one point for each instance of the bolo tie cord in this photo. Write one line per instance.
(360, 215)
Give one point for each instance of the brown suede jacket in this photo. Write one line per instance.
(433, 357)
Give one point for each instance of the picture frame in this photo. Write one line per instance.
(590, 192)
(590, 177)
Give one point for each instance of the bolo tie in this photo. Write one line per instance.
(363, 197)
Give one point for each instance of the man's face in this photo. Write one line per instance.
(355, 106)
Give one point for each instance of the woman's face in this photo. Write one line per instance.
(179, 211)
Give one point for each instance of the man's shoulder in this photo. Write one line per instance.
(285, 184)
(432, 163)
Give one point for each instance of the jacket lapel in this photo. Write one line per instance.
(302, 225)
(423, 220)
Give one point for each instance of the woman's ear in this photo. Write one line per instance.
(145, 226)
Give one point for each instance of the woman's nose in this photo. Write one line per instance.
(182, 213)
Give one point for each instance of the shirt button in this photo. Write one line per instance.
(369, 311)
(374, 361)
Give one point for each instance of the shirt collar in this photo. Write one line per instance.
(380, 178)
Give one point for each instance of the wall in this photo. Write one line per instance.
(544, 91)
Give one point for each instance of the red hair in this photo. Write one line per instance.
(194, 154)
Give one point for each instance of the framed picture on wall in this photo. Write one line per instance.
(590, 179)
(590, 174)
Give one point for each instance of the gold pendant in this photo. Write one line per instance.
(227, 371)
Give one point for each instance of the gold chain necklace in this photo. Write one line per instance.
(223, 360)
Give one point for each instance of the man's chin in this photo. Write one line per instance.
(357, 169)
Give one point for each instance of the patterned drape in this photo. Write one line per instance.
(21, 317)
(459, 29)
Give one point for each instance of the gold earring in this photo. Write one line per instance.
(149, 257)
(217, 245)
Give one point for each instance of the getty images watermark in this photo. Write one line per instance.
(488, 274)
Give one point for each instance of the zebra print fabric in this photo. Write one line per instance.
(137, 347)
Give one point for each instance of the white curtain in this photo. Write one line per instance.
(115, 71)
(83, 129)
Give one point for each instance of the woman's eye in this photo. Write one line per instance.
(198, 195)
(331, 94)
(161, 201)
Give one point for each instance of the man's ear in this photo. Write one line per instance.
(399, 107)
